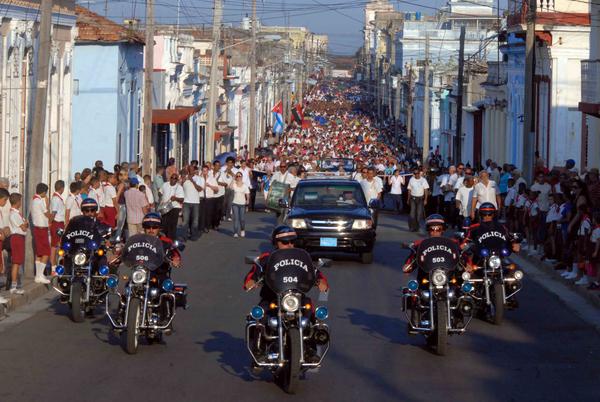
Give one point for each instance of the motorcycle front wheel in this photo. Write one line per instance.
(130, 339)
(441, 332)
(77, 305)
(498, 303)
(291, 372)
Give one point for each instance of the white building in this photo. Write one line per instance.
(18, 57)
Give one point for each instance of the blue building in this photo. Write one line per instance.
(108, 92)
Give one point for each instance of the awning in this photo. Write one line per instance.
(172, 116)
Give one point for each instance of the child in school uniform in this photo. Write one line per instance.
(595, 254)
(18, 229)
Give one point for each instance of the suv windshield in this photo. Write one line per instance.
(329, 195)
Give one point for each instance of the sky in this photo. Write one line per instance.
(341, 20)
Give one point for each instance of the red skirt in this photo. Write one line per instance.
(17, 249)
(54, 237)
(41, 240)
(110, 216)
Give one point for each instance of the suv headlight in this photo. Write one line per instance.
(297, 223)
(494, 262)
(362, 224)
(139, 276)
(439, 277)
(466, 276)
(290, 303)
(79, 259)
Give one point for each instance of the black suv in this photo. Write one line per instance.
(332, 215)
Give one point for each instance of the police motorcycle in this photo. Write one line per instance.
(286, 335)
(496, 279)
(146, 305)
(438, 303)
(83, 269)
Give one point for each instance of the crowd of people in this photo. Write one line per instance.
(559, 212)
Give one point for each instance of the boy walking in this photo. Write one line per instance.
(18, 228)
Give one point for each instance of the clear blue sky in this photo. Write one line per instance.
(342, 20)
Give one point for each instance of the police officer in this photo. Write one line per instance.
(489, 225)
(435, 226)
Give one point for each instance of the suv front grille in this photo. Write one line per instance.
(329, 224)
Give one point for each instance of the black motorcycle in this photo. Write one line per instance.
(438, 303)
(287, 335)
(146, 306)
(83, 269)
(497, 279)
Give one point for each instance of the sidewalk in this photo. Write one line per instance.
(32, 290)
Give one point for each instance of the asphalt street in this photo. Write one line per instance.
(542, 352)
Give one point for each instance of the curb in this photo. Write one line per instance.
(33, 291)
(590, 296)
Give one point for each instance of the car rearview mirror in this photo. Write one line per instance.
(283, 203)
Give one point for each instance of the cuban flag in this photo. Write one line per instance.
(278, 115)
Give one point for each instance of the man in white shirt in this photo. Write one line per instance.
(41, 235)
(209, 188)
(485, 191)
(219, 198)
(228, 172)
(418, 191)
(464, 198)
(543, 189)
(448, 183)
(396, 182)
(191, 205)
(172, 192)
(57, 208)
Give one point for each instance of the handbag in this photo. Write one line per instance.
(165, 208)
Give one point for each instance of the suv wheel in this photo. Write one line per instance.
(366, 258)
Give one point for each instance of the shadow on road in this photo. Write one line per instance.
(390, 328)
(233, 355)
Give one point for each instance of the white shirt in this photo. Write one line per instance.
(449, 180)
(553, 214)
(208, 192)
(38, 212)
(437, 185)
(4, 215)
(544, 192)
(169, 191)
(239, 193)
(595, 235)
(190, 194)
(485, 193)
(511, 197)
(465, 196)
(109, 193)
(372, 188)
(396, 182)
(460, 181)
(221, 177)
(246, 176)
(585, 227)
(73, 205)
(418, 186)
(15, 220)
(98, 196)
(57, 207)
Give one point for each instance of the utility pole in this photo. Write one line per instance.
(426, 104)
(35, 167)
(528, 103)
(409, 107)
(252, 134)
(213, 90)
(459, 97)
(148, 71)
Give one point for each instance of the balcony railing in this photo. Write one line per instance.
(590, 81)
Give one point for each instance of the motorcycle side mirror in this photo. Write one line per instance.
(283, 203)
(325, 262)
(179, 245)
(460, 235)
(117, 239)
(249, 260)
(60, 232)
(517, 237)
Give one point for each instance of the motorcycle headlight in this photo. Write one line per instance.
(290, 303)
(79, 259)
(466, 276)
(139, 276)
(362, 224)
(439, 277)
(494, 262)
(297, 223)
(518, 275)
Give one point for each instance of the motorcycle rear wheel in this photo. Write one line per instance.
(498, 303)
(130, 338)
(291, 372)
(441, 332)
(77, 306)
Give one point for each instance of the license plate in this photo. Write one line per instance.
(328, 242)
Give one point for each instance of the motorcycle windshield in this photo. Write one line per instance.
(290, 269)
(437, 253)
(493, 240)
(143, 249)
(80, 233)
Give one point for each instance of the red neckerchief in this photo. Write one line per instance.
(59, 196)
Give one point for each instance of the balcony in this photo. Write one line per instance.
(590, 87)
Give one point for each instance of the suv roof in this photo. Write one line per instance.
(328, 180)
